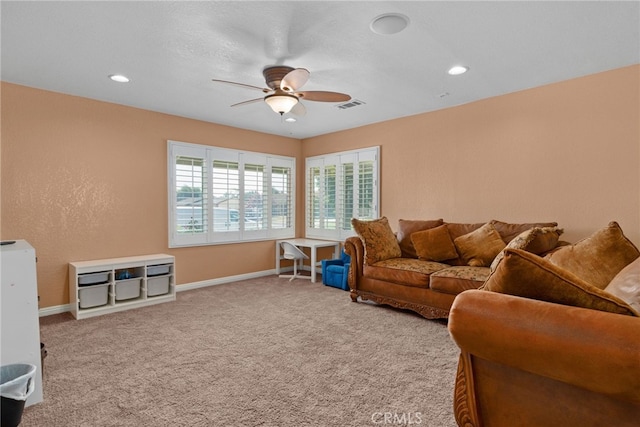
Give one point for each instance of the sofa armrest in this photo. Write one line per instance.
(594, 350)
(355, 249)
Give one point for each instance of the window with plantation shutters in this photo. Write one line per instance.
(219, 195)
(340, 186)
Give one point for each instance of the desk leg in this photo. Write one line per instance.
(314, 251)
(277, 257)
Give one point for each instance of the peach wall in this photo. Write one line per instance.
(566, 152)
(83, 179)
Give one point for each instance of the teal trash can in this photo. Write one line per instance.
(16, 384)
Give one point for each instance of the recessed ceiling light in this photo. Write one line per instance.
(457, 70)
(290, 120)
(119, 78)
(389, 23)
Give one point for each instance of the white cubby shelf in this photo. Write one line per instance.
(110, 285)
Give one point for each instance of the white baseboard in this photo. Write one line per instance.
(222, 280)
(58, 309)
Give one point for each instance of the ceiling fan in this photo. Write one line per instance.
(283, 92)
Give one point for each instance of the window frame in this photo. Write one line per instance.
(320, 203)
(259, 163)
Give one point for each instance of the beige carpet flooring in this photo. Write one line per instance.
(262, 352)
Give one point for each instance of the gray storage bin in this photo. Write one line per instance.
(93, 278)
(93, 296)
(158, 286)
(128, 289)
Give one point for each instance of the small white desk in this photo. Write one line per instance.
(313, 245)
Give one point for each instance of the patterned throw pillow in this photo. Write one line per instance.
(599, 257)
(434, 244)
(524, 274)
(480, 247)
(536, 240)
(378, 239)
(546, 239)
(521, 241)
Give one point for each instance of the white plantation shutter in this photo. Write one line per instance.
(314, 195)
(280, 210)
(367, 187)
(341, 186)
(231, 195)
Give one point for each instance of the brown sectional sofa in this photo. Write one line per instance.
(554, 340)
(404, 279)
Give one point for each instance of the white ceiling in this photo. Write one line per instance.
(172, 50)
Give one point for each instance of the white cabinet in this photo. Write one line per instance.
(20, 327)
(110, 285)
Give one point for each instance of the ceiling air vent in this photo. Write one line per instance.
(350, 104)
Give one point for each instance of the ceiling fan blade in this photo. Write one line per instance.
(251, 101)
(294, 80)
(323, 96)
(299, 109)
(261, 89)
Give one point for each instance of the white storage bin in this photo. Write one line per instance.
(93, 296)
(127, 289)
(158, 270)
(93, 278)
(157, 286)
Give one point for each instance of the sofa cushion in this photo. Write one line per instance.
(546, 239)
(378, 239)
(524, 274)
(434, 244)
(480, 247)
(404, 271)
(457, 229)
(453, 280)
(406, 227)
(509, 231)
(536, 240)
(599, 257)
(626, 285)
(521, 241)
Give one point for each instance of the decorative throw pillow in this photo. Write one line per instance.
(434, 244)
(546, 239)
(521, 241)
(599, 257)
(378, 239)
(509, 231)
(480, 247)
(524, 274)
(406, 227)
(626, 285)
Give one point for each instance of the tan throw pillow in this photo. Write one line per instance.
(546, 238)
(378, 239)
(597, 258)
(509, 231)
(626, 285)
(480, 247)
(406, 227)
(527, 275)
(434, 244)
(521, 241)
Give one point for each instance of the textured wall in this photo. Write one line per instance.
(566, 152)
(83, 179)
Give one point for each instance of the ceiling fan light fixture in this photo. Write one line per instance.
(280, 103)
